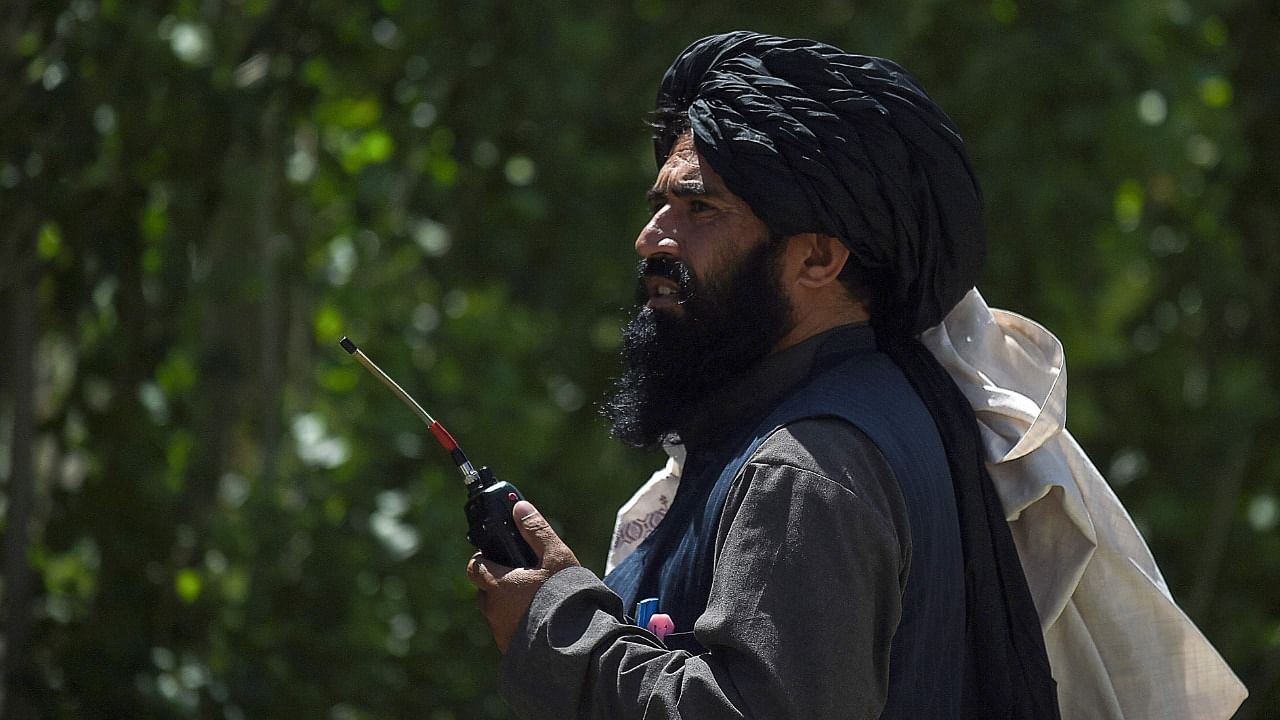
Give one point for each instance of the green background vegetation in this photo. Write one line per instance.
(210, 511)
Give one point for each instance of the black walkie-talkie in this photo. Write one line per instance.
(490, 527)
(489, 524)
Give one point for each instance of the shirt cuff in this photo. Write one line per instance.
(576, 603)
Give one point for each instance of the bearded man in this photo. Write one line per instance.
(835, 547)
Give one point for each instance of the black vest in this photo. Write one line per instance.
(865, 388)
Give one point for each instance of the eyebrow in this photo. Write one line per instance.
(688, 188)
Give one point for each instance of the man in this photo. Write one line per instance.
(812, 561)
(835, 547)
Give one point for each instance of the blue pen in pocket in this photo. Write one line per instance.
(645, 610)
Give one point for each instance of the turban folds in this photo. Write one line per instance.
(818, 140)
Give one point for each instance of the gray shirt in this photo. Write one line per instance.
(812, 553)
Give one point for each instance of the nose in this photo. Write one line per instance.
(658, 237)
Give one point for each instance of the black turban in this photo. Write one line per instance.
(817, 140)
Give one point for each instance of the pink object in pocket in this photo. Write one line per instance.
(661, 625)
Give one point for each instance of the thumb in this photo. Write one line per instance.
(537, 531)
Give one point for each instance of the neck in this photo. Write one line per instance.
(820, 320)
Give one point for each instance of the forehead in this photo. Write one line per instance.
(685, 168)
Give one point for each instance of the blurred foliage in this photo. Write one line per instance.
(228, 519)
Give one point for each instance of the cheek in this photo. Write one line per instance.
(710, 244)
(734, 241)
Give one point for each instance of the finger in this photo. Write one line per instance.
(480, 574)
(534, 528)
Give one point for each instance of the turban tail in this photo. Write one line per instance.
(818, 140)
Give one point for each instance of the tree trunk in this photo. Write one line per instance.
(272, 349)
(15, 700)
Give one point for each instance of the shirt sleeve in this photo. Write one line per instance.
(812, 556)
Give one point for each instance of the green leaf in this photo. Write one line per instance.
(155, 220)
(177, 374)
(371, 148)
(49, 241)
(349, 112)
(177, 453)
(28, 43)
(188, 584)
(328, 324)
(1128, 204)
(1216, 91)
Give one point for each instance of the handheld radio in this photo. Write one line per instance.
(489, 500)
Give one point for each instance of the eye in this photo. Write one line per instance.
(698, 206)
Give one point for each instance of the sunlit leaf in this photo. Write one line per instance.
(1128, 204)
(349, 112)
(49, 241)
(188, 584)
(1216, 91)
(177, 374)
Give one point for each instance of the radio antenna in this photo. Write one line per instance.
(441, 434)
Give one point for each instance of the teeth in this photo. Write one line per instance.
(664, 291)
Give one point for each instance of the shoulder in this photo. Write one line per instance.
(828, 447)
(833, 459)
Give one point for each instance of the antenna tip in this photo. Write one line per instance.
(347, 345)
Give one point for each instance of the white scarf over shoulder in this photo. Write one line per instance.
(1118, 645)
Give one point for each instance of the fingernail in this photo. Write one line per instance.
(523, 510)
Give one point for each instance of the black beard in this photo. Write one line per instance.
(672, 363)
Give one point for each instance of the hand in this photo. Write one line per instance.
(505, 593)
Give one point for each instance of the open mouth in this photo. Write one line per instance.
(663, 283)
(662, 293)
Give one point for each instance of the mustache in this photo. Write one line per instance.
(668, 268)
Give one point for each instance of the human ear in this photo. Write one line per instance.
(822, 258)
